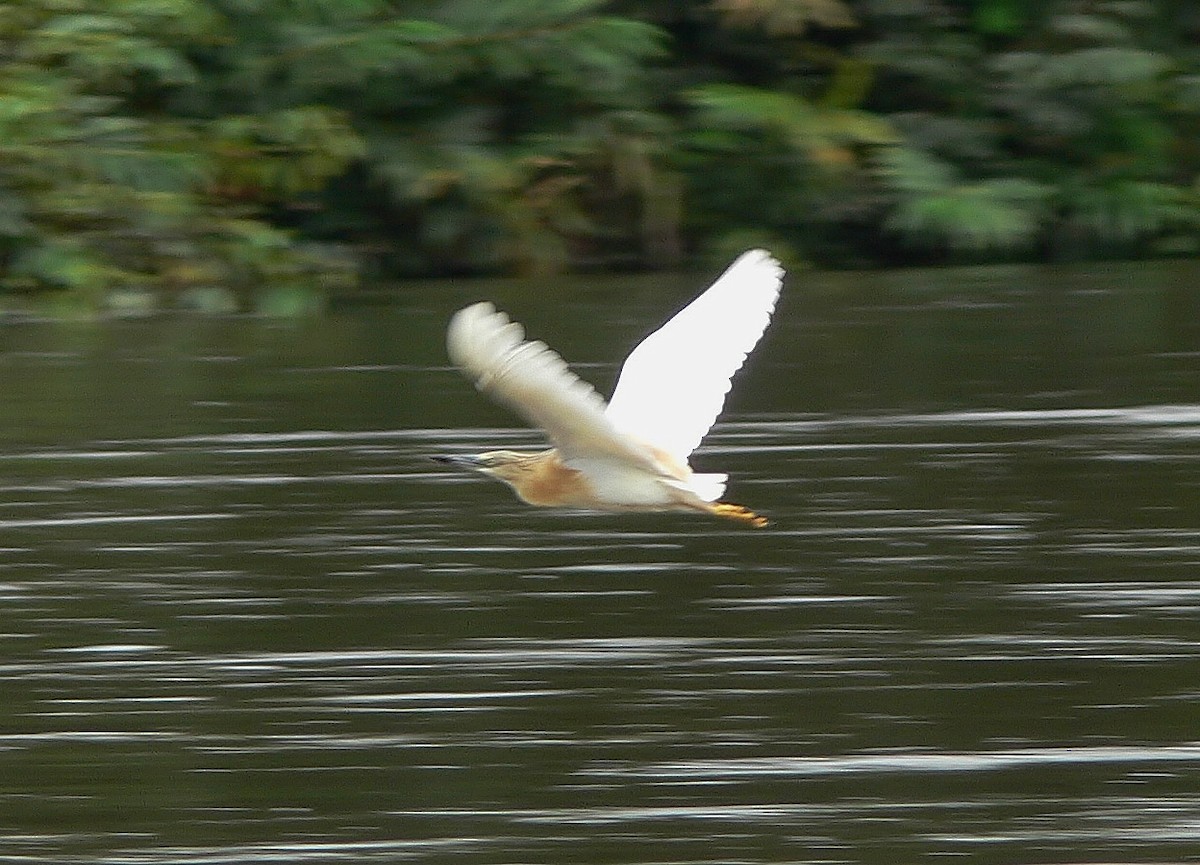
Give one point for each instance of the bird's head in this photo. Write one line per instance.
(507, 466)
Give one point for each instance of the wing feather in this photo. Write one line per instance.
(673, 385)
(532, 380)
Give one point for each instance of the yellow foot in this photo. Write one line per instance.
(737, 512)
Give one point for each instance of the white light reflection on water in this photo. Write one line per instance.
(311, 646)
(737, 769)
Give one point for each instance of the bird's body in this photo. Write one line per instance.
(630, 454)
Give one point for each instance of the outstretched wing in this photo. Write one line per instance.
(673, 385)
(533, 381)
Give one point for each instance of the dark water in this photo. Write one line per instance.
(244, 618)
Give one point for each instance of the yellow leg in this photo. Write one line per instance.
(738, 512)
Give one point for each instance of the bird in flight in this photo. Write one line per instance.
(630, 454)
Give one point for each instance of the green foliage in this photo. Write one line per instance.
(1124, 211)
(823, 134)
(257, 153)
(785, 17)
(1109, 66)
(935, 206)
(105, 192)
(1065, 119)
(496, 136)
(990, 128)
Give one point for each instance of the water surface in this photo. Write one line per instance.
(246, 619)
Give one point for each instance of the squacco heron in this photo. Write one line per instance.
(630, 454)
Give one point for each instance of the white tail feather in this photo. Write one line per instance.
(707, 487)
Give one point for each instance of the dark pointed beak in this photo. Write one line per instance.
(459, 461)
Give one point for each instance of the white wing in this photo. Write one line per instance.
(673, 385)
(535, 382)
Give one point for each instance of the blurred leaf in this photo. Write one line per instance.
(1123, 211)
(913, 172)
(999, 17)
(1186, 96)
(62, 264)
(802, 124)
(209, 299)
(934, 206)
(784, 17)
(1090, 27)
(289, 301)
(13, 221)
(1108, 65)
(130, 302)
(977, 217)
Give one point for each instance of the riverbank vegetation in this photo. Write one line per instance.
(233, 153)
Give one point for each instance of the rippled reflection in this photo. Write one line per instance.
(966, 633)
